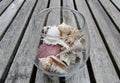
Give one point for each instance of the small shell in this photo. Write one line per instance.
(65, 58)
(72, 59)
(74, 30)
(53, 64)
(64, 29)
(70, 40)
(53, 31)
(55, 41)
(77, 46)
(46, 50)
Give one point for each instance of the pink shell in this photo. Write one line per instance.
(47, 50)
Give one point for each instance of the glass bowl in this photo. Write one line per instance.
(64, 41)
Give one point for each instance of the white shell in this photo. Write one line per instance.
(77, 46)
(53, 64)
(55, 41)
(53, 31)
(45, 29)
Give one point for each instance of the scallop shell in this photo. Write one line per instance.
(64, 29)
(53, 64)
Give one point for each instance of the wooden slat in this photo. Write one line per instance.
(102, 66)
(4, 4)
(53, 19)
(117, 3)
(68, 17)
(21, 69)
(8, 15)
(81, 75)
(11, 38)
(109, 31)
(112, 11)
(18, 71)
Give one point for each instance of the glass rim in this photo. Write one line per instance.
(57, 7)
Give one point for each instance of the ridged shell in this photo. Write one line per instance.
(53, 64)
(64, 29)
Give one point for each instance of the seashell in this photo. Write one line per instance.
(55, 41)
(53, 31)
(74, 30)
(64, 29)
(77, 46)
(74, 34)
(45, 50)
(53, 64)
(65, 58)
(72, 58)
(45, 29)
(70, 40)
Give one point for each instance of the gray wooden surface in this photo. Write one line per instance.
(19, 39)
(4, 4)
(8, 15)
(116, 3)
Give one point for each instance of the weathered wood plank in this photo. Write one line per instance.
(21, 68)
(102, 66)
(53, 19)
(109, 31)
(4, 4)
(11, 38)
(112, 11)
(81, 75)
(8, 15)
(68, 17)
(116, 2)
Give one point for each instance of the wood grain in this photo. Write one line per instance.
(4, 4)
(9, 42)
(117, 3)
(109, 31)
(112, 11)
(8, 15)
(21, 68)
(102, 66)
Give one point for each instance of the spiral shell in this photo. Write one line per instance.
(53, 64)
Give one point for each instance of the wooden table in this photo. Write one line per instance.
(19, 40)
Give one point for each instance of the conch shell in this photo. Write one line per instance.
(53, 64)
